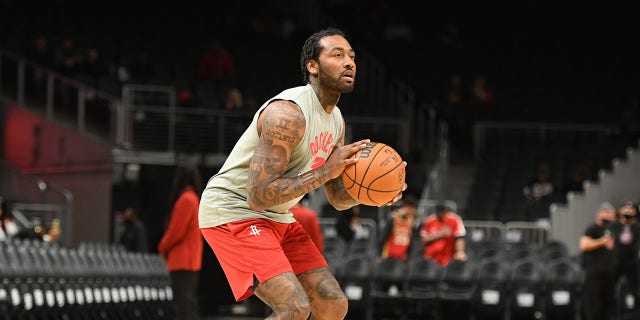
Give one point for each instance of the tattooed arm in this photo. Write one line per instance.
(281, 126)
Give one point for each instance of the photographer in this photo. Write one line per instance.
(597, 246)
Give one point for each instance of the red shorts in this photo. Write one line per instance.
(263, 248)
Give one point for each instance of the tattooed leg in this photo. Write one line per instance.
(285, 296)
(327, 299)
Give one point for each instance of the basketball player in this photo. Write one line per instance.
(295, 144)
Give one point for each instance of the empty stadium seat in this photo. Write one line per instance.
(492, 294)
(422, 287)
(387, 288)
(563, 289)
(355, 280)
(457, 288)
(527, 280)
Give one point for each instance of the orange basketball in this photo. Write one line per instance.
(377, 177)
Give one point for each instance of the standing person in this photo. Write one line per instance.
(442, 233)
(597, 245)
(294, 144)
(181, 245)
(309, 220)
(134, 233)
(397, 234)
(627, 245)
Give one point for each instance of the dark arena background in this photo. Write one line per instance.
(100, 101)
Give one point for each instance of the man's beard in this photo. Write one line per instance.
(336, 84)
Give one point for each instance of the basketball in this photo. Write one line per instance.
(377, 177)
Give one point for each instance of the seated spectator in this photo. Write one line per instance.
(92, 66)
(443, 235)
(397, 234)
(540, 187)
(45, 233)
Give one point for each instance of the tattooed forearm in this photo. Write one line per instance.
(338, 196)
(285, 189)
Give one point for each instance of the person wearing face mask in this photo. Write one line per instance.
(627, 243)
(597, 245)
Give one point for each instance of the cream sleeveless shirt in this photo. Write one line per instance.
(225, 196)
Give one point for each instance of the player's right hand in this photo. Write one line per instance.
(343, 156)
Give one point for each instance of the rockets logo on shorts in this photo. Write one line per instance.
(254, 231)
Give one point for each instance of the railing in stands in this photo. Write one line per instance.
(130, 125)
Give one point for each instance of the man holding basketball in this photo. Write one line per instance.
(295, 144)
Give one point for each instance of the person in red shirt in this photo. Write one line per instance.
(442, 234)
(397, 233)
(308, 218)
(216, 73)
(181, 245)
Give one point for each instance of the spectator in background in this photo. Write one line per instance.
(134, 233)
(309, 220)
(540, 192)
(397, 234)
(597, 246)
(627, 246)
(40, 53)
(455, 95)
(66, 58)
(92, 66)
(216, 73)
(443, 235)
(234, 101)
(481, 99)
(181, 245)
(540, 187)
(51, 233)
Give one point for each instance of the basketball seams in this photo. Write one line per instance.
(356, 174)
(393, 191)
(371, 162)
(383, 175)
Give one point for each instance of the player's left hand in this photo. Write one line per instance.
(399, 195)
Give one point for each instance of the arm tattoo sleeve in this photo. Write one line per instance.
(283, 128)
